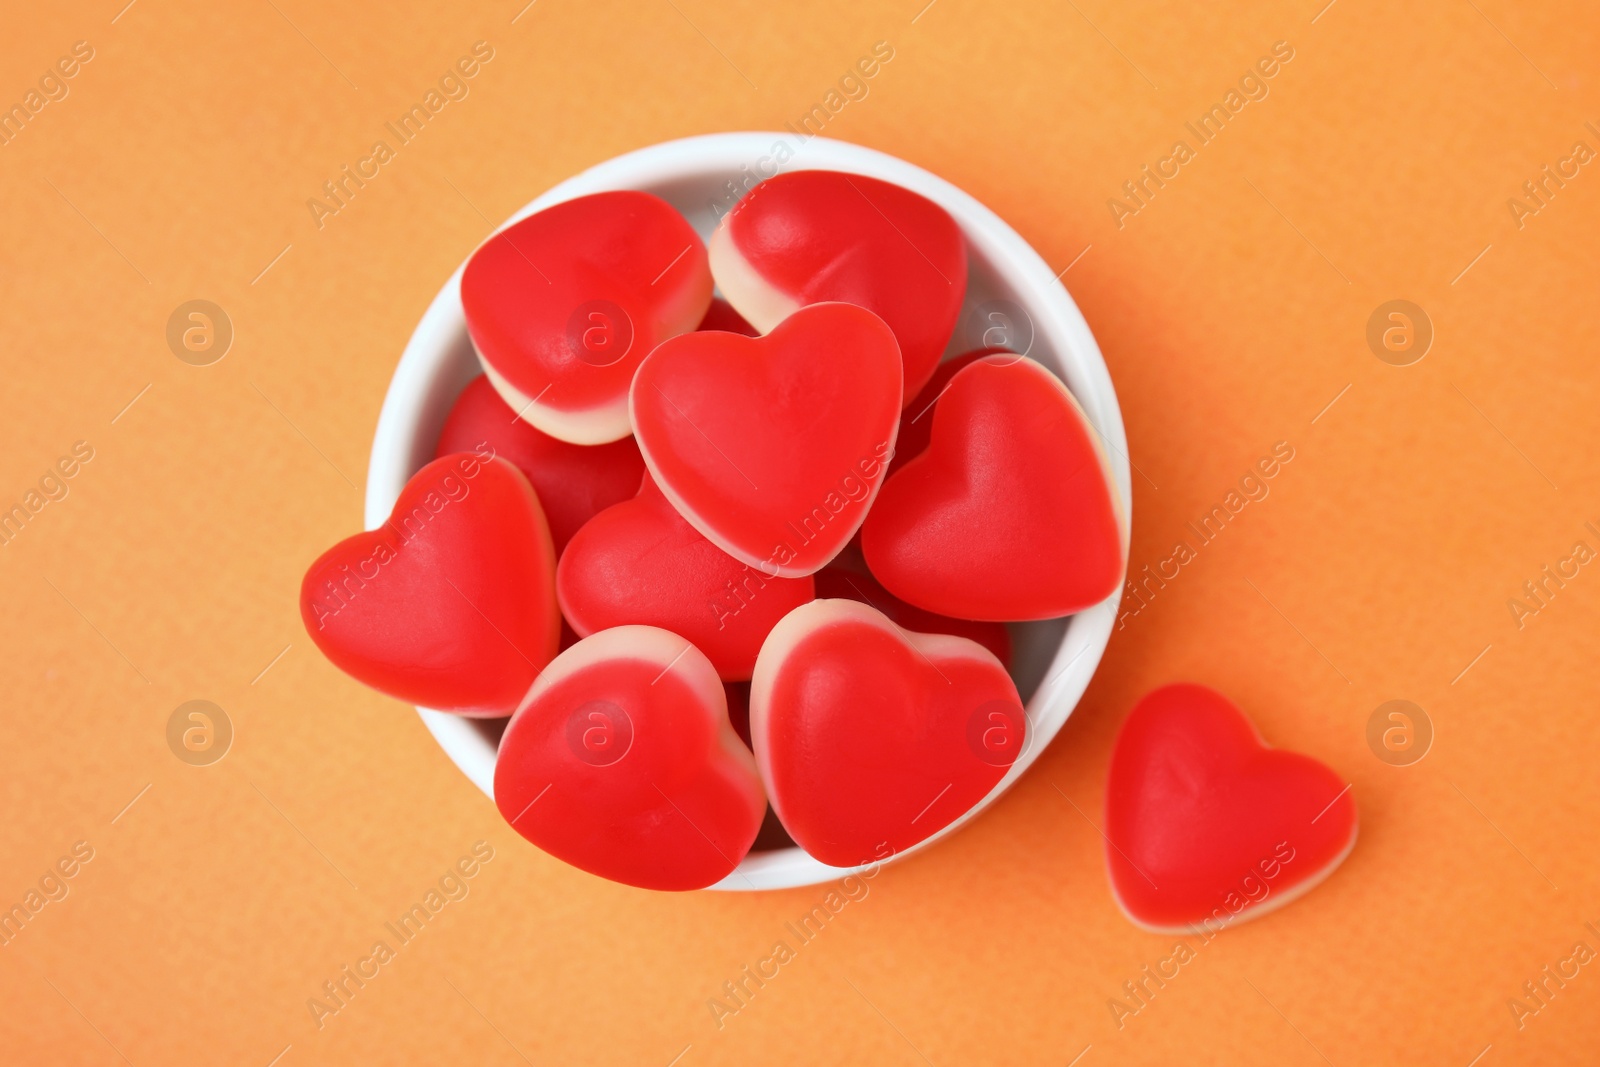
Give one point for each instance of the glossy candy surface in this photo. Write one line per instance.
(622, 762)
(574, 482)
(870, 737)
(773, 447)
(451, 603)
(1009, 514)
(815, 235)
(640, 562)
(564, 305)
(1205, 824)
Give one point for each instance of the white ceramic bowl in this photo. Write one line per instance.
(1013, 298)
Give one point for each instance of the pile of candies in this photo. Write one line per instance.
(714, 554)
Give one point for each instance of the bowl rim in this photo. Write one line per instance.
(1057, 323)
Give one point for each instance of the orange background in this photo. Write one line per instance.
(1232, 310)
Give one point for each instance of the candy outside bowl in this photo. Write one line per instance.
(1013, 300)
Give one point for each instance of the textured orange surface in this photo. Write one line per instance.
(1232, 307)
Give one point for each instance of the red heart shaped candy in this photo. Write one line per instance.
(574, 482)
(563, 306)
(449, 604)
(815, 235)
(622, 762)
(640, 562)
(1205, 824)
(1010, 513)
(773, 447)
(871, 738)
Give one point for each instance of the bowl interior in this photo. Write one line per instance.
(1013, 299)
